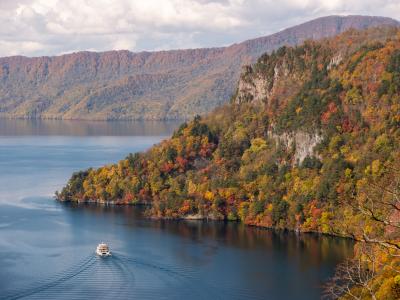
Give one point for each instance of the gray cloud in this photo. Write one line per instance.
(50, 27)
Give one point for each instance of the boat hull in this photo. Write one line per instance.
(103, 254)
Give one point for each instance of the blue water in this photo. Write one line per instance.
(47, 248)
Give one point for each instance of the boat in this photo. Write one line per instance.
(103, 250)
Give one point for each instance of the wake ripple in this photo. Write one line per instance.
(124, 277)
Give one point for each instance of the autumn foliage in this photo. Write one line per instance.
(236, 163)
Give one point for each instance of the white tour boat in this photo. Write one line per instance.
(103, 250)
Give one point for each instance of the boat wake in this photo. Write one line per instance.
(124, 277)
(115, 277)
(92, 278)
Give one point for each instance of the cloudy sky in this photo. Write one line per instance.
(50, 27)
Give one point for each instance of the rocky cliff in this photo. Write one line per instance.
(148, 85)
(281, 76)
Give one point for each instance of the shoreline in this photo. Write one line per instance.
(198, 218)
(94, 119)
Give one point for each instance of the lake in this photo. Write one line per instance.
(47, 248)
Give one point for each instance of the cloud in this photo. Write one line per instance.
(50, 27)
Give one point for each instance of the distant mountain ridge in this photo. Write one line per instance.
(175, 84)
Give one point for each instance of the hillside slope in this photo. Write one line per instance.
(310, 142)
(148, 85)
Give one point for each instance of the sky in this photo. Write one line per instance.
(53, 27)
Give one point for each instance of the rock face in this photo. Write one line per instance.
(260, 89)
(253, 89)
(303, 143)
(148, 85)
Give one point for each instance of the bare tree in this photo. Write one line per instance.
(377, 231)
(353, 279)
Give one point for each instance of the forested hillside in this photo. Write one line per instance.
(116, 85)
(309, 142)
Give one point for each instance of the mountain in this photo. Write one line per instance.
(174, 84)
(310, 142)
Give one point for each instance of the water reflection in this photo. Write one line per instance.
(29, 127)
(321, 248)
(264, 251)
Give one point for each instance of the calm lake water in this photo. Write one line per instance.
(47, 248)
